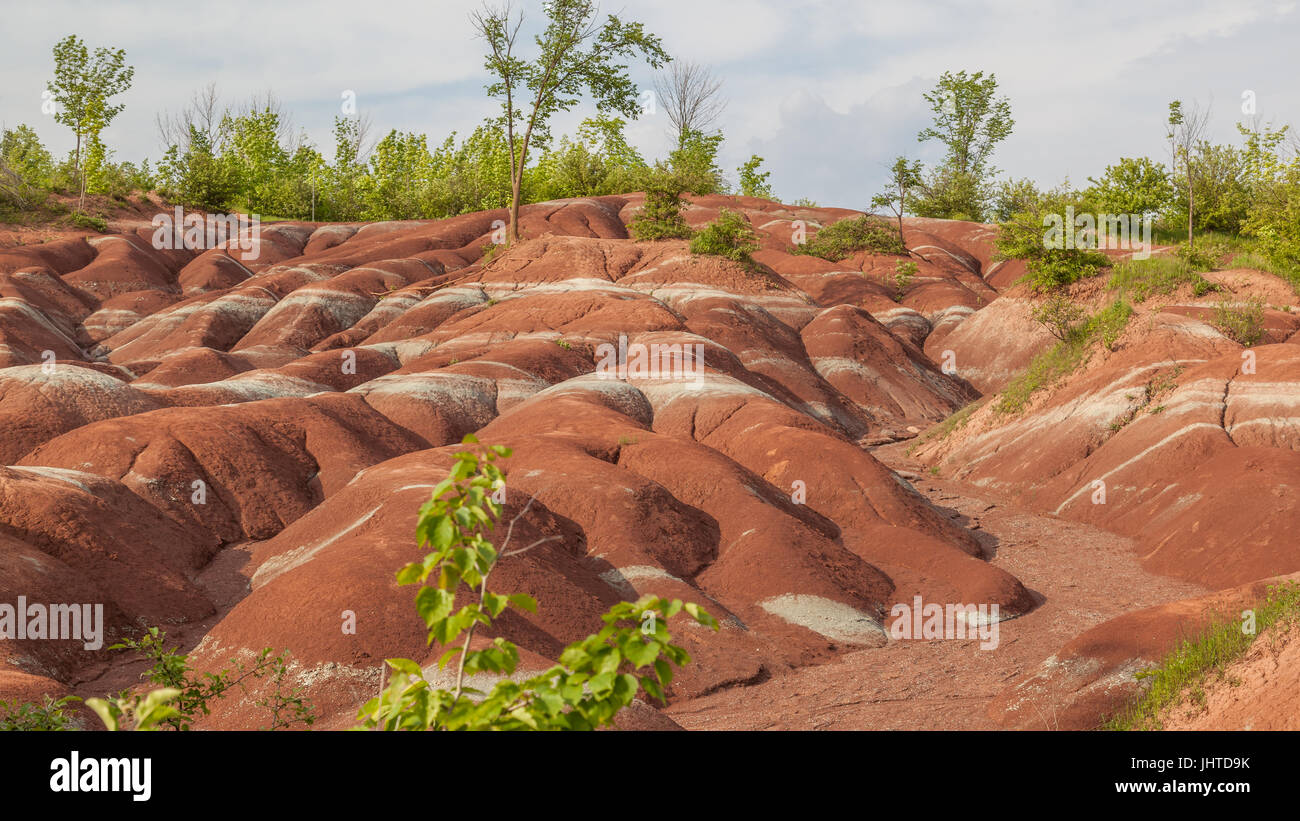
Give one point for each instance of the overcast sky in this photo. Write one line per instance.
(828, 91)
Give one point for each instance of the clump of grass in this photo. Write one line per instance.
(842, 239)
(1066, 356)
(490, 252)
(944, 429)
(1187, 668)
(1241, 322)
(1141, 279)
(1155, 388)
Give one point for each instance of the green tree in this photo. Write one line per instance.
(1274, 220)
(1261, 162)
(22, 150)
(598, 161)
(576, 54)
(947, 193)
(904, 177)
(1048, 264)
(1218, 189)
(81, 89)
(753, 183)
(196, 176)
(695, 164)
(343, 180)
(970, 120)
(479, 172)
(26, 168)
(1132, 186)
(254, 157)
(400, 169)
(661, 214)
(96, 168)
(1012, 197)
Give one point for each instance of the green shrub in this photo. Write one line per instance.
(1241, 322)
(753, 183)
(1059, 314)
(1140, 279)
(48, 715)
(1275, 223)
(727, 236)
(842, 239)
(1024, 237)
(1205, 255)
(594, 679)
(87, 221)
(192, 693)
(661, 214)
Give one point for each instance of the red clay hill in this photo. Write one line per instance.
(236, 449)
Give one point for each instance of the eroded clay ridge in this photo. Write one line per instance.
(1176, 436)
(313, 396)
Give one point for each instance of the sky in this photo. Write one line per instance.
(828, 92)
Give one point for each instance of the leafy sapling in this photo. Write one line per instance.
(594, 679)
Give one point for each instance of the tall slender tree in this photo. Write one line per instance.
(81, 88)
(577, 53)
(1186, 129)
(970, 120)
(904, 177)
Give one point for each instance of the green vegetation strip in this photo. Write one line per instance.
(1066, 356)
(1187, 668)
(954, 422)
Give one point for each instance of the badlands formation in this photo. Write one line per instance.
(235, 450)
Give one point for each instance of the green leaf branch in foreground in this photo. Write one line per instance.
(594, 679)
